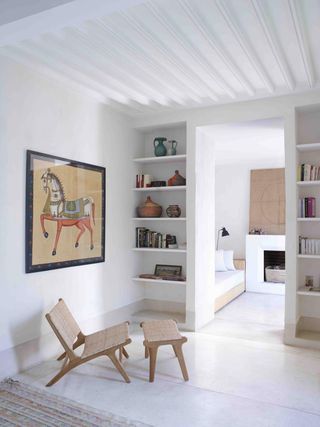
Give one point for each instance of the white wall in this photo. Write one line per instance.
(40, 115)
(233, 201)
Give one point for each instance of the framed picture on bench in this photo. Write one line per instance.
(65, 212)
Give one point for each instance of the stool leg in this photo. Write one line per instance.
(153, 359)
(175, 351)
(125, 353)
(120, 354)
(146, 352)
(179, 353)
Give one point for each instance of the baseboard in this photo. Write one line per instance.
(31, 353)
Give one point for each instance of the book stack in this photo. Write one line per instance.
(143, 181)
(308, 172)
(146, 238)
(309, 246)
(307, 207)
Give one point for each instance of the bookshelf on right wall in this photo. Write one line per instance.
(308, 223)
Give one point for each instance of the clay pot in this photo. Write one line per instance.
(173, 211)
(176, 179)
(149, 209)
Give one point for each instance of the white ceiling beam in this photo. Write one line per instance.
(51, 59)
(218, 50)
(108, 45)
(302, 41)
(190, 50)
(54, 19)
(21, 57)
(251, 56)
(193, 85)
(273, 44)
(85, 60)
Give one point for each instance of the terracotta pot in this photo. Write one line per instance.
(173, 211)
(176, 179)
(149, 209)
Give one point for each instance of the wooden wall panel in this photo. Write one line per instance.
(267, 200)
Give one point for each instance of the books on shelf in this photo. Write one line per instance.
(306, 172)
(143, 180)
(307, 207)
(308, 246)
(146, 238)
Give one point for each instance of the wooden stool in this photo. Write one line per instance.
(163, 332)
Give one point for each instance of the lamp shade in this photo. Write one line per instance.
(224, 232)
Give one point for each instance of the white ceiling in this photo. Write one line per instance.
(144, 57)
(258, 141)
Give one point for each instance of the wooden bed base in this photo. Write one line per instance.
(233, 293)
(228, 296)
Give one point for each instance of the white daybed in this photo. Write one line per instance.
(229, 284)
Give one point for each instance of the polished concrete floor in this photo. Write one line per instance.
(240, 375)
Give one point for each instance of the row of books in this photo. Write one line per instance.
(309, 246)
(308, 172)
(146, 238)
(307, 207)
(143, 180)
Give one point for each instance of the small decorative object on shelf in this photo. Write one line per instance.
(159, 147)
(149, 209)
(172, 278)
(167, 270)
(172, 151)
(143, 181)
(171, 242)
(256, 231)
(158, 184)
(314, 289)
(308, 281)
(177, 179)
(173, 211)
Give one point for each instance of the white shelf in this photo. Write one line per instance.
(162, 219)
(304, 291)
(308, 147)
(171, 188)
(182, 251)
(308, 256)
(158, 281)
(308, 183)
(308, 219)
(161, 159)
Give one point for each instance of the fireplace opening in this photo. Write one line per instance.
(274, 266)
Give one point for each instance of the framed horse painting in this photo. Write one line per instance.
(65, 213)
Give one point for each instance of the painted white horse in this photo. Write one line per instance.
(66, 213)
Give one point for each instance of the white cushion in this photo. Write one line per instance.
(220, 266)
(228, 260)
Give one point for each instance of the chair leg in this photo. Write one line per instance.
(146, 352)
(118, 365)
(63, 371)
(77, 344)
(120, 354)
(175, 351)
(125, 353)
(179, 353)
(153, 359)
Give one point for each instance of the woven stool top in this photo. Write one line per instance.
(160, 330)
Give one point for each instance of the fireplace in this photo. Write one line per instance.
(277, 260)
(261, 251)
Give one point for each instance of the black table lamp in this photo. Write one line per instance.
(224, 233)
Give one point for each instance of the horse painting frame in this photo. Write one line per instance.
(65, 212)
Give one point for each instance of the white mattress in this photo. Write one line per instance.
(226, 280)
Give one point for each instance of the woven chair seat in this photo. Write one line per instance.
(105, 339)
(160, 330)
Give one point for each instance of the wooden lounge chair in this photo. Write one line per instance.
(101, 343)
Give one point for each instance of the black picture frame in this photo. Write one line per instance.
(83, 211)
(167, 270)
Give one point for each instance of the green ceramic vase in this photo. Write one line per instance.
(159, 147)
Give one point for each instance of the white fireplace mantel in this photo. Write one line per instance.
(256, 244)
